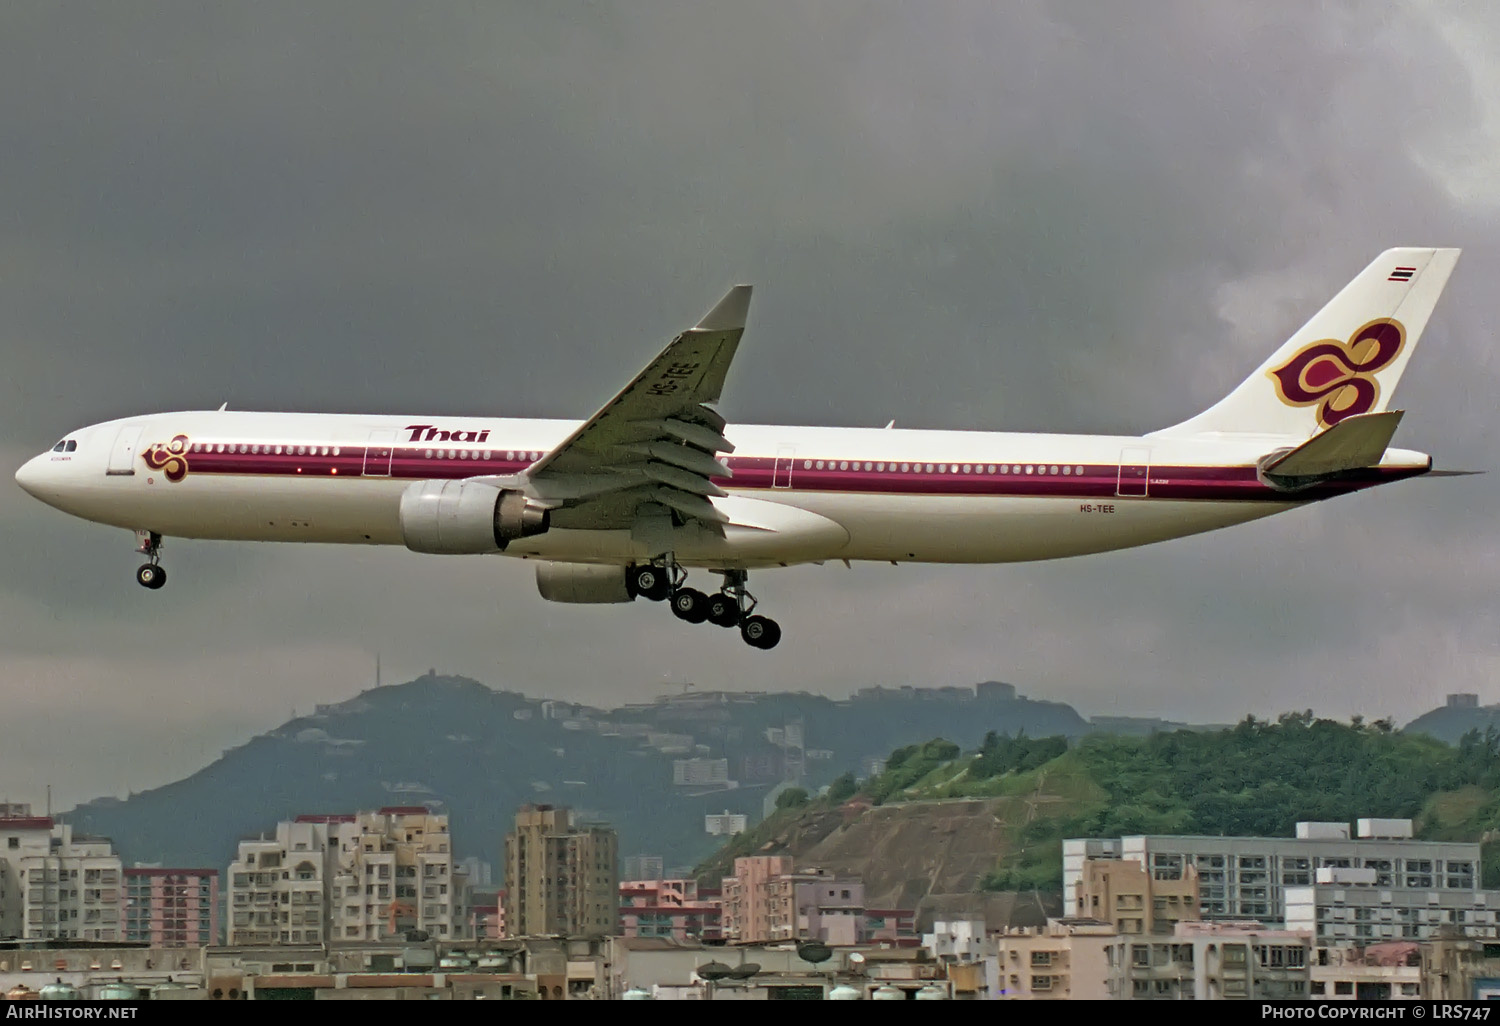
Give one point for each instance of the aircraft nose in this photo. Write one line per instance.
(29, 476)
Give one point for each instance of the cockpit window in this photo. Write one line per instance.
(72, 446)
(66, 445)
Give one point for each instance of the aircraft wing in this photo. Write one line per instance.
(650, 452)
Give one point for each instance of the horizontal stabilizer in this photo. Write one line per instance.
(1356, 441)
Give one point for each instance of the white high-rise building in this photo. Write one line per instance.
(395, 875)
(278, 887)
(56, 885)
(370, 876)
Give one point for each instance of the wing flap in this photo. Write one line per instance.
(654, 444)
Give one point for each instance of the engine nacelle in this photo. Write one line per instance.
(582, 582)
(464, 517)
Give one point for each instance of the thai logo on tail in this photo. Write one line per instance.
(1339, 377)
(169, 458)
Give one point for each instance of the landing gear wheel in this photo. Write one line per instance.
(650, 582)
(723, 610)
(760, 632)
(149, 575)
(690, 604)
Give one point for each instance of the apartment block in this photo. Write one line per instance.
(1347, 908)
(172, 908)
(1212, 962)
(560, 878)
(767, 901)
(55, 885)
(1123, 893)
(1068, 959)
(748, 914)
(669, 908)
(1380, 972)
(828, 908)
(1246, 877)
(395, 874)
(279, 886)
(365, 876)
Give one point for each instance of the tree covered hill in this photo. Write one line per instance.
(478, 753)
(1257, 778)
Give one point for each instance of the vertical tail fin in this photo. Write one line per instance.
(1344, 361)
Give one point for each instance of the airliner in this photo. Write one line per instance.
(657, 483)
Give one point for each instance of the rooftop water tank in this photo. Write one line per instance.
(843, 992)
(60, 991)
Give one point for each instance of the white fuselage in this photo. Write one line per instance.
(796, 494)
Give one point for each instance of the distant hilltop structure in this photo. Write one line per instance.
(985, 691)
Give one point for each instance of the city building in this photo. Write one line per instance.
(956, 940)
(1246, 877)
(1121, 892)
(1068, 959)
(279, 887)
(55, 885)
(1213, 962)
(700, 772)
(1349, 907)
(896, 927)
(828, 908)
(364, 876)
(1460, 968)
(669, 908)
(747, 898)
(394, 874)
(172, 908)
(725, 824)
(560, 878)
(1379, 972)
(766, 901)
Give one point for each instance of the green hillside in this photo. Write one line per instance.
(1257, 778)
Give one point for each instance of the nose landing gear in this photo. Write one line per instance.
(150, 574)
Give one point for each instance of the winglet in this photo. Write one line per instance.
(729, 314)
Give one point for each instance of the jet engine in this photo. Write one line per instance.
(582, 582)
(465, 517)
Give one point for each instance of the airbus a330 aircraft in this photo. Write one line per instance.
(624, 503)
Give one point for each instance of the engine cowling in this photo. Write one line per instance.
(582, 582)
(465, 517)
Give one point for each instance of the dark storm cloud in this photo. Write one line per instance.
(1021, 217)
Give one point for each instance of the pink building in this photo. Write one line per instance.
(487, 918)
(172, 908)
(749, 909)
(669, 908)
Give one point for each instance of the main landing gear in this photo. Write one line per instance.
(150, 574)
(732, 606)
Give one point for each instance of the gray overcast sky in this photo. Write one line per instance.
(1063, 217)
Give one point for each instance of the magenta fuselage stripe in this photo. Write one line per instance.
(1098, 481)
